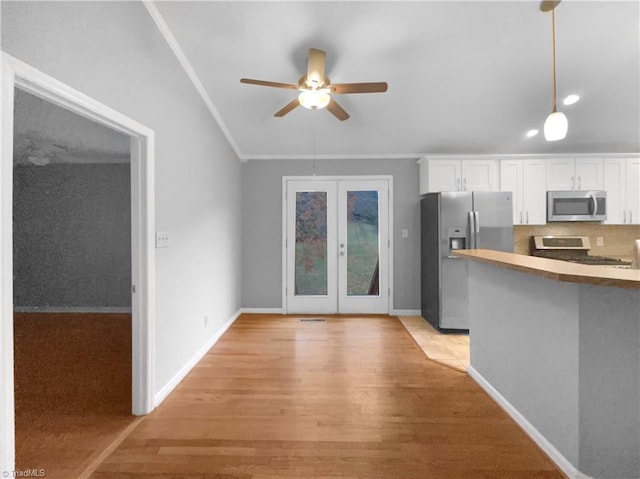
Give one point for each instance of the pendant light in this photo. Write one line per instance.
(556, 124)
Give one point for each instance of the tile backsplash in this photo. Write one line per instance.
(619, 240)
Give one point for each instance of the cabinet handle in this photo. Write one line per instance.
(458, 184)
(624, 216)
(527, 216)
(521, 217)
(630, 216)
(579, 182)
(573, 182)
(464, 184)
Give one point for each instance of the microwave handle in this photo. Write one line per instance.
(595, 204)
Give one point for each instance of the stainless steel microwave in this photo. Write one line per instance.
(576, 205)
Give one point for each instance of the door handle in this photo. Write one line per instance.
(595, 204)
(477, 226)
(472, 229)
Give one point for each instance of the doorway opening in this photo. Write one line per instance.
(71, 286)
(337, 249)
(17, 75)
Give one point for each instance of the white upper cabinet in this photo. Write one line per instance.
(458, 175)
(442, 175)
(527, 180)
(615, 186)
(479, 175)
(633, 190)
(574, 174)
(622, 184)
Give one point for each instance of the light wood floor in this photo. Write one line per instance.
(350, 398)
(449, 349)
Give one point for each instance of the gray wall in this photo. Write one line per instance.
(72, 236)
(262, 225)
(113, 52)
(565, 356)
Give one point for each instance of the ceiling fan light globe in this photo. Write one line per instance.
(314, 99)
(556, 126)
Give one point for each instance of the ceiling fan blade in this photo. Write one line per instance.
(274, 84)
(315, 67)
(337, 110)
(343, 88)
(287, 108)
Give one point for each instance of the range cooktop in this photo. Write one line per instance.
(574, 249)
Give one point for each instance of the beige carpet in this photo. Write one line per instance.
(449, 349)
(73, 388)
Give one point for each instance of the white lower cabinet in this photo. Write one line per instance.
(622, 184)
(527, 180)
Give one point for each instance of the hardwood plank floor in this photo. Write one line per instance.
(353, 397)
(72, 388)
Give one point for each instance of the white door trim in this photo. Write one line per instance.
(285, 179)
(16, 73)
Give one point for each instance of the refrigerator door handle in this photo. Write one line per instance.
(477, 226)
(472, 229)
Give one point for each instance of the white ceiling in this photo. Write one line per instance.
(48, 134)
(464, 77)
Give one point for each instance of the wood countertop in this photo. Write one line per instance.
(555, 269)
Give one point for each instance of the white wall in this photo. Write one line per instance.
(113, 52)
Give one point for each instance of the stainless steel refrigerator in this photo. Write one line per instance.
(451, 221)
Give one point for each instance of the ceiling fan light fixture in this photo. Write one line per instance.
(555, 126)
(314, 99)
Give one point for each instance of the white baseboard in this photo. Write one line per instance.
(405, 312)
(162, 394)
(72, 309)
(262, 310)
(562, 462)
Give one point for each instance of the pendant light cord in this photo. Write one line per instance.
(553, 43)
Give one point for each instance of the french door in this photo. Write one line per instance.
(337, 245)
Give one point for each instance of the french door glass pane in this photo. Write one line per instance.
(311, 243)
(362, 243)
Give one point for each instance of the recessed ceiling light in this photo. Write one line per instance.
(570, 99)
(532, 133)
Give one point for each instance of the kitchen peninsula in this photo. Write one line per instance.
(558, 346)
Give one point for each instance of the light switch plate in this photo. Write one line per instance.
(405, 233)
(162, 239)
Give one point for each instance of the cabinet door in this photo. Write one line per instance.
(561, 174)
(615, 185)
(589, 174)
(633, 190)
(479, 175)
(444, 175)
(534, 197)
(511, 179)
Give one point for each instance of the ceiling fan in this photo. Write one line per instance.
(316, 89)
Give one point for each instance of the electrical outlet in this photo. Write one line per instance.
(599, 241)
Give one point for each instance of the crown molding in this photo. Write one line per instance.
(308, 157)
(191, 73)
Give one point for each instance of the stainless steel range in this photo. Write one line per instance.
(572, 248)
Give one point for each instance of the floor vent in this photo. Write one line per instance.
(312, 320)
